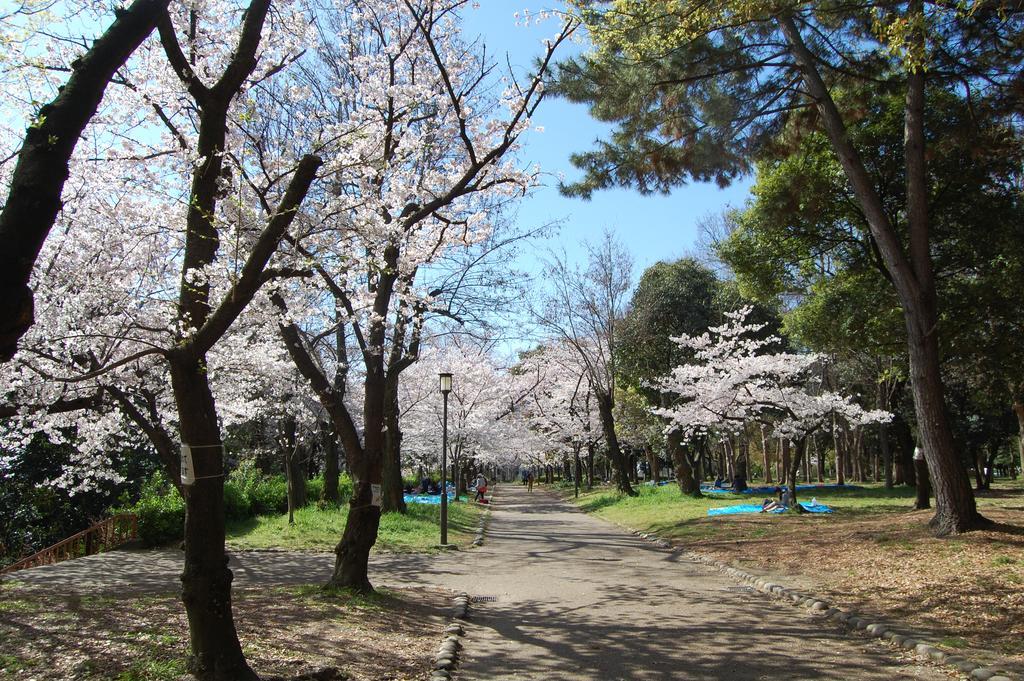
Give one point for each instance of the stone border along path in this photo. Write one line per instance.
(880, 630)
(447, 658)
(481, 529)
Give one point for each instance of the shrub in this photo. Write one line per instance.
(237, 505)
(161, 512)
(269, 496)
(345, 486)
(263, 495)
(315, 489)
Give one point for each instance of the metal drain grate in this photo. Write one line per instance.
(484, 599)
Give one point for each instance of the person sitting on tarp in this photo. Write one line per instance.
(719, 483)
(739, 483)
(769, 505)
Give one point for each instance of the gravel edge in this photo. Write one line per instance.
(896, 636)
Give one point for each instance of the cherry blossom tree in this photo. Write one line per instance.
(432, 162)
(170, 195)
(582, 308)
(562, 403)
(479, 405)
(734, 380)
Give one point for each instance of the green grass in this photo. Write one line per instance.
(953, 642)
(13, 663)
(418, 530)
(154, 670)
(668, 512)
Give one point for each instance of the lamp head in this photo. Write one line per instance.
(446, 383)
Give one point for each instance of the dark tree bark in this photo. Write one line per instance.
(590, 466)
(819, 456)
(839, 439)
(883, 436)
(923, 499)
(331, 468)
(910, 271)
(653, 463)
(33, 198)
(784, 462)
(764, 452)
(1018, 409)
(905, 459)
(295, 469)
(206, 580)
(683, 465)
(794, 467)
(615, 456)
(392, 494)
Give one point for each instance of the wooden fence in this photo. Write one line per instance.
(103, 536)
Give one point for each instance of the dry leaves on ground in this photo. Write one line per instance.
(968, 590)
(285, 632)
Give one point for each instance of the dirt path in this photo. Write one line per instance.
(573, 598)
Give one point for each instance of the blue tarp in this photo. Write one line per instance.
(426, 498)
(756, 508)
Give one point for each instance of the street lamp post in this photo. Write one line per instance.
(446, 387)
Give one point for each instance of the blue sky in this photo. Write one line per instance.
(653, 227)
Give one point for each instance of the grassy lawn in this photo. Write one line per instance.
(873, 554)
(285, 632)
(319, 530)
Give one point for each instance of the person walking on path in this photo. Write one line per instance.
(529, 481)
(481, 486)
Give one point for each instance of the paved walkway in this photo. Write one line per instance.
(573, 598)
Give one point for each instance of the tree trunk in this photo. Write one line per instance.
(819, 456)
(784, 461)
(905, 460)
(392, 493)
(615, 456)
(655, 463)
(295, 470)
(578, 473)
(839, 440)
(883, 442)
(764, 451)
(688, 485)
(807, 464)
(798, 458)
(331, 473)
(351, 565)
(206, 579)
(993, 452)
(1018, 409)
(590, 466)
(910, 271)
(979, 469)
(923, 499)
